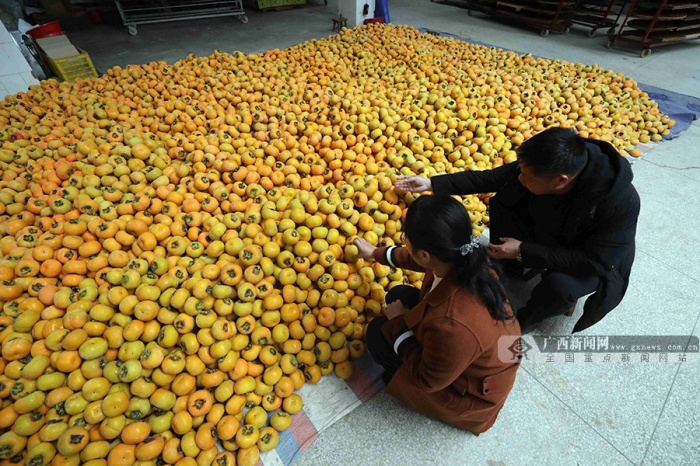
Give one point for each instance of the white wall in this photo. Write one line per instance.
(352, 9)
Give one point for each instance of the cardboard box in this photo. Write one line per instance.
(57, 47)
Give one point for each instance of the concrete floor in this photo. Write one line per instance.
(582, 413)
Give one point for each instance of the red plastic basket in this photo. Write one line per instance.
(373, 20)
(46, 30)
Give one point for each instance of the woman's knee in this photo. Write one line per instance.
(380, 349)
(374, 336)
(407, 294)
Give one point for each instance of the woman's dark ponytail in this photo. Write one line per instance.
(441, 226)
(476, 273)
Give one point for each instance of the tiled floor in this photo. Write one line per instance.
(15, 74)
(578, 414)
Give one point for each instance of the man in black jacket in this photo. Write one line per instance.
(567, 208)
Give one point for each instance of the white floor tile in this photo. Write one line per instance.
(14, 83)
(5, 66)
(29, 78)
(5, 36)
(534, 427)
(679, 156)
(669, 221)
(677, 436)
(3, 91)
(624, 401)
(15, 59)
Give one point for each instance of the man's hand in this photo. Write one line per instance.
(414, 183)
(508, 250)
(394, 309)
(364, 249)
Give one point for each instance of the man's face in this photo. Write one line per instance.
(537, 184)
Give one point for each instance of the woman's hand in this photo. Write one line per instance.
(364, 248)
(414, 183)
(394, 309)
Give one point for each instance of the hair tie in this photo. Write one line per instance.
(469, 247)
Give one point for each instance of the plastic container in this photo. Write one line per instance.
(70, 68)
(46, 30)
(374, 20)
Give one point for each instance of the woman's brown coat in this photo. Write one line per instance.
(451, 369)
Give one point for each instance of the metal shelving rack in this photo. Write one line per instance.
(545, 15)
(651, 23)
(599, 14)
(136, 12)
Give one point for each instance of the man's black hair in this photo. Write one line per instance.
(555, 151)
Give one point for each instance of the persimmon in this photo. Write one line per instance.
(42, 252)
(8, 273)
(122, 455)
(150, 448)
(72, 441)
(135, 433)
(16, 348)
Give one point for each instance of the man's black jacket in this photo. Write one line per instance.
(597, 235)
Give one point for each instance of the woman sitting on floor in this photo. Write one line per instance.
(439, 345)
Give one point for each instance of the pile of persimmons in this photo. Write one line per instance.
(175, 256)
